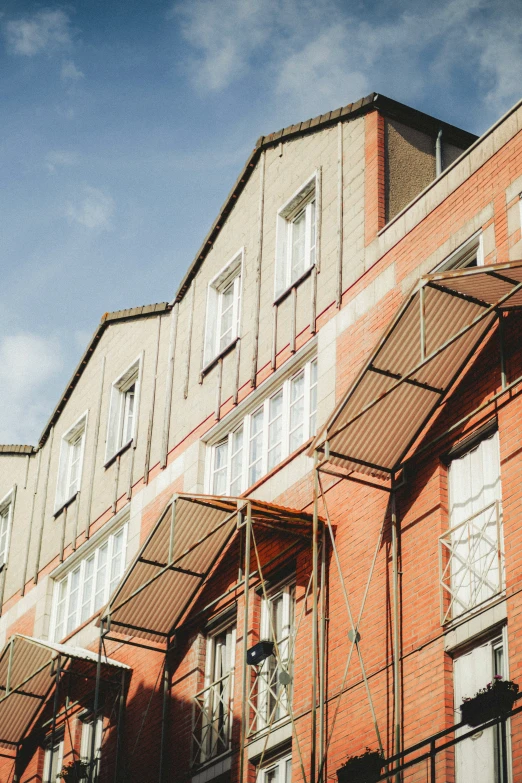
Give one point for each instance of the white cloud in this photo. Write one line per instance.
(43, 31)
(27, 363)
(93, 211)
(70, 71)
(60, 158)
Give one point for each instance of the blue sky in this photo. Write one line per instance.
(125, 123)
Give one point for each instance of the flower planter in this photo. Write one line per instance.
(366, 768)
(495, 700)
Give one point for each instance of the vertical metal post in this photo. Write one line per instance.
(503, 746)
(313, 715)
(55, 710)
(274, 338)
(92, 760)
(501, 336)
(396, 638)
(322, 655)
(118, 775)
(293, 330)
(438, 154)
(164, 717)
(433, 757)
(340, 216)
(422, 319)
(246, 593)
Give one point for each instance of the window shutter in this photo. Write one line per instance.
(112, 427)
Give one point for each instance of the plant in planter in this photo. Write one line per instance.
(75, 772)
(496, 699)
(366, 768)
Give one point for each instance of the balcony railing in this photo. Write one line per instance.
(471, 562)
(212, 720)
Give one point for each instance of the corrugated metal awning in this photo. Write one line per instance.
(425, 348)
(27, 678)
(178, 556)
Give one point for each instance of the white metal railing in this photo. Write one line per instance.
(471, 562)
(212, 719)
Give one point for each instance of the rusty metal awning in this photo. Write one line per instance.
(179, 554)
(27, 668)
(425, 348)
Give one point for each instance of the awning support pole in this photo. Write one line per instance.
(313, 715)
(502, 345)
(322, 652)
(246, 593)
(396, 637)
(55, 710)
(422, 292)
(92, 760)
(119, 772)
(164, 718)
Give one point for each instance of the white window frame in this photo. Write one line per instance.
(116, 440)
(246, 424)
(80, 569)
(281, 765)
(286, 590)
(64, 492)
(50, 751)
(304, 199)
(460, 258)
(6, 525)
(231, 274)
(89, 724)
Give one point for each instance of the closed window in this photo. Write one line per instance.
(296, 237)
(212, 730)
(53, 760)
(478, 758)
(71, 461)
(88, 585)
(279, 771)
(467, 255)
(223, 310)
(6, 519)
(276, 428)
(90, 727)
(273, 688)
(123, 410)
(472, 551)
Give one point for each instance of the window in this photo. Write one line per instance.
(276, 624)
(469, 254)
(53, 760)
(279, 771)
(223, 309)
(276, 428)
(71, 462)
(212, 729)
(479, 757)
(123, 410)
(296, 237)
(6, 517)
(472, 546)
(88, 585)
(88, 727)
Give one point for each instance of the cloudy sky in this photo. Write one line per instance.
(125, 122)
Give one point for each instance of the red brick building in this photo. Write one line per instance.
(275, 521)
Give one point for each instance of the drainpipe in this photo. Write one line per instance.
(438, 154)
(396, 634)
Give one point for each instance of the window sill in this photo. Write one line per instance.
(118, 453)
(282, 296)
(66, 504)
(212, 363)
(470, 614)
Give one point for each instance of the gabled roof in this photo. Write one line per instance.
(373, 102)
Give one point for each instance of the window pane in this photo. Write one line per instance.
(298, 245)
(74, 597)
(236, 467)
(227, 317)
(88, 586)
(220, 468)
(311, 213)
(4, 529)
(101, 576)
(128, 414)
(75, 451)
(275, 430)
(60, 609)
(313, 397)
(117, 564)
(296, 411)
(256, 446)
